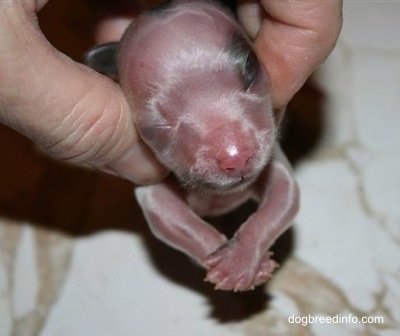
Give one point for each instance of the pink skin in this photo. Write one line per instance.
(215, 131)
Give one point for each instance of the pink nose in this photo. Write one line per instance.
(235, 161)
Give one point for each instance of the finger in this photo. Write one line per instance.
(115, 16)
(69, 110)
(111, 29)
(250, 14)
(293, 38)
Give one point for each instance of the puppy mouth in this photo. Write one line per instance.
(217, 186)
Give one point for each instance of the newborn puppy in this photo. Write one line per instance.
(201, 103)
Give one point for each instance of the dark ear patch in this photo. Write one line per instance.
(163, 6)
(103, 59)
(244, 58)
(229, 4)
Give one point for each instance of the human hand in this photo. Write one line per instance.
(70, 111)
(291, 38)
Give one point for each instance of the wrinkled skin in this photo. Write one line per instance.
(203, 107)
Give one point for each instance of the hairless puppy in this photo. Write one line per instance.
(202, 105)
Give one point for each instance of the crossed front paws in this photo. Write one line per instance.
(238, 267)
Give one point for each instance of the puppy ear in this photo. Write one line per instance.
(103, 59)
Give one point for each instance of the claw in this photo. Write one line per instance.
(211, 276)
(221, 284)
(243, 284)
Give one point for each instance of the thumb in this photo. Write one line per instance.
(70, 111)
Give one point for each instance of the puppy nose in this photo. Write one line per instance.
(235, 161)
